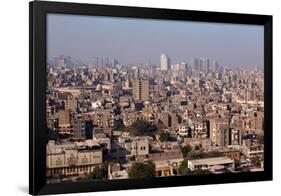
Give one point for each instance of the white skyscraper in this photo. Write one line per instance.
(164, 62)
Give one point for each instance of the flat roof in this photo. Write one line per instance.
(212, 161)
(120, 174)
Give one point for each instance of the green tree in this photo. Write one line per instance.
(183, 169)
(185, 150)
(164, 136)
(142, 170)
(142, 127)
(200, 172)
(118, 125)
(194, 155)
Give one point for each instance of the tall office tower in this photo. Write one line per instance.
(141, 89)
(114, 62)
(215, 66)
(101, 61)
(206, 65)
(201, 64)
(195, 64)
(164, 62)
(106, 61)
(136, 73)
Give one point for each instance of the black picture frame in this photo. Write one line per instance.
(37, 89)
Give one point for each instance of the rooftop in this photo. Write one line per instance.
(212, 161)
(119, 174)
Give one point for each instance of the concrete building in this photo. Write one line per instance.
(253, 151)
(64, 122)
(233, 154)
(141, 90)
(236, 137)
(219, 132)
(115, 172)
(123, 148)
(208, 163)
(105, 144)
(78, 128)
(68, 101)
(72, 158)
(171, 119)
(167, 162)
(104, 118)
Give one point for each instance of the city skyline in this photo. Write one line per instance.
(126, 122)
(160, 98)
(133, 41)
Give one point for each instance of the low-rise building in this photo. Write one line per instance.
(253, 151)
(73, 158)
(208, 163)
(167, 162)
(115, 172)
(129, 147)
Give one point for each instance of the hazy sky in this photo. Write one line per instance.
(143, 40)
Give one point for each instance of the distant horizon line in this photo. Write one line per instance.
(83, 61)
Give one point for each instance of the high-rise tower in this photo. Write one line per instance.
(164, 62)
(141, 89)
